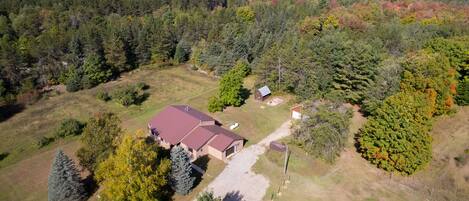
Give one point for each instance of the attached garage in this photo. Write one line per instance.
(230, 151)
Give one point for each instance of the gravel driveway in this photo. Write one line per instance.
(237, 182)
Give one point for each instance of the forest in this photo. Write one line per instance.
(403, 62)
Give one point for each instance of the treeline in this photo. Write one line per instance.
(402, 62)
(85, 43)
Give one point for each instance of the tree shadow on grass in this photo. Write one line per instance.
(202, 162)
(233, 196)
(91, 186)
(245, 93)
(9, 110)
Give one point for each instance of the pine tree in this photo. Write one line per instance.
(181, 179)
(64, 180)
(115, 53)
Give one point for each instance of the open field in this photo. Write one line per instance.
(26, 168)
(353, 178)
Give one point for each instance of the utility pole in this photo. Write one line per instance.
(278, 68)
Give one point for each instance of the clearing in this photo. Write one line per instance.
(354, 178)
(26, 167)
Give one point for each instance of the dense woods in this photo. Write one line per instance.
(402, 62)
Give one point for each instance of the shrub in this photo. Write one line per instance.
(207, 196)
(141, 85)
(44, 141)
(128, 95)
(69, 127)
(3, 155)
(462, 159)
(72, 80)
(215, 105)
(103, 95)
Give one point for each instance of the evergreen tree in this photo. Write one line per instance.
(115, 53)
(182, 52)
(95, 71)
(396, 138)
(142, 49)
(75, 52)
(181, 170)
(64, 180)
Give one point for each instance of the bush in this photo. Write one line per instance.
(73, 84)
(103, 95)
(215, 105)
(141, 86)
(44, 141)
(3, 155)
(462, 159)
(69, 127)
(207, 196)
(129, 95)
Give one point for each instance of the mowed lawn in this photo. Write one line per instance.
(353, 178)
(24, 172)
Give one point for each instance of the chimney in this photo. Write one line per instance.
(187, 108)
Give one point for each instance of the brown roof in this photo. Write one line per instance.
(223, 139)
(198, 138)
(181, 123)
(176, 121)
(297, 108)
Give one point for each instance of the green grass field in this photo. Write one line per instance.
(353, 178)
(24, 171)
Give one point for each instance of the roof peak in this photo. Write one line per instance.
(194, 113)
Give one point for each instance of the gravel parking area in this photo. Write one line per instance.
(237, 181)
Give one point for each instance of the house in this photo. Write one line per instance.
(195, 131)
(296, 112)
(262, 93)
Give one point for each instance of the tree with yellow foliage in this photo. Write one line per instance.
(137, 171)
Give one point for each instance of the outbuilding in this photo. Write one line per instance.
(296, 112)
(262, 93)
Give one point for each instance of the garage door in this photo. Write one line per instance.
(229, 151)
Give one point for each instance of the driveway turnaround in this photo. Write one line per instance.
(237, 182)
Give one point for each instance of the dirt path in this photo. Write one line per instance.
(237, 181)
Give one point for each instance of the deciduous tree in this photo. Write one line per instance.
(98, 139)
(137, 171)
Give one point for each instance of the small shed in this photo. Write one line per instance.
(296, 112)
(262, 93)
